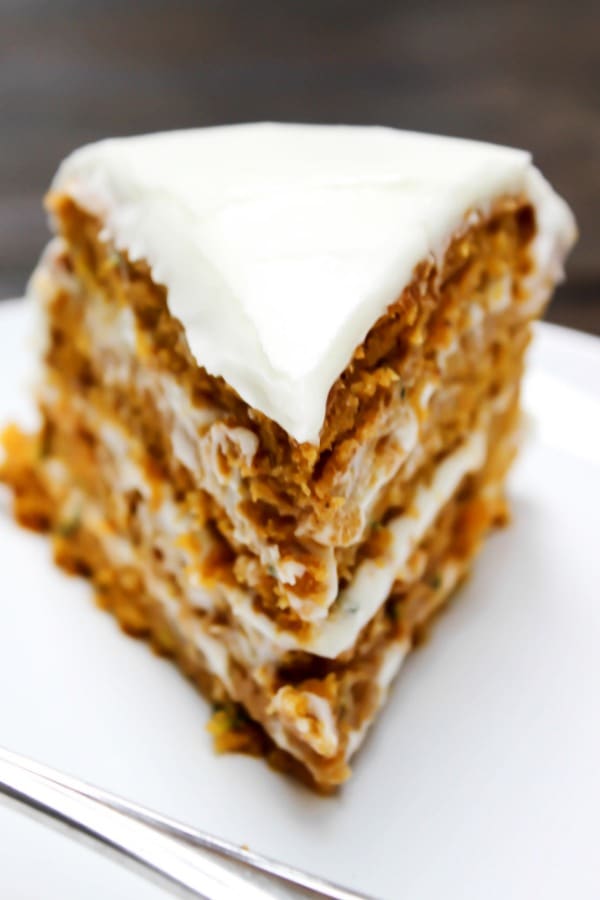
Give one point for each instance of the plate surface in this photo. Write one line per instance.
(481, 777)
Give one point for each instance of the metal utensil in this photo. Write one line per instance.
(189, 860)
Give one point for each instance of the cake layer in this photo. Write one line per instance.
(95, 454)
(281, 245)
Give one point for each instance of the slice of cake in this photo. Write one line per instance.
(280, 397)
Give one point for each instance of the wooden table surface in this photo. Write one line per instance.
(515, 72)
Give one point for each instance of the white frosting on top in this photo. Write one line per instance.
(281, 245)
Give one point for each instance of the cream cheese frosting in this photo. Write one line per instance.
(281, 245)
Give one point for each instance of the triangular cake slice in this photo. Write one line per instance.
(280, 397)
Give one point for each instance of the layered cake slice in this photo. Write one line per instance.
(280, 397)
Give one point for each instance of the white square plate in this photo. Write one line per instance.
(481, 780)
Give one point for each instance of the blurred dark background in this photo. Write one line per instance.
(521, 72)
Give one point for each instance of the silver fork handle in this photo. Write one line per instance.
(163, 856)
(310, 885)
(193, 860)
